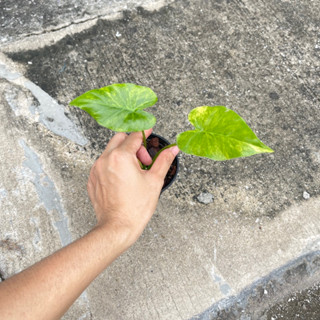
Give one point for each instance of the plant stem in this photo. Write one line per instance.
(144, 167)
(158, 153)
(144, 139)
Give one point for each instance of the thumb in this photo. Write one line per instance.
(164, 161)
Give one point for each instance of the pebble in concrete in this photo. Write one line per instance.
(306, 195)
(205, 198)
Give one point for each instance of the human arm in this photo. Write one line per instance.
(124, 198)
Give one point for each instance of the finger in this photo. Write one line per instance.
(115, 141)
(164, 160)
(144, 156)
(148, 132)
(134, 141)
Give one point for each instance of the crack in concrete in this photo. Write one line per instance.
(72, 23)
(47, 37)
(51, 35)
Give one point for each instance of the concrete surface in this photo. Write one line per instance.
(21, 19)
(237, 257)
(303, 304)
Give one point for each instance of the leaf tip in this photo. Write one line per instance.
(269, 150)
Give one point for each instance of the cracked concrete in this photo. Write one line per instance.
(47, 193)
(234, 257)
(42, 109)
(21, 20)
(250, 303)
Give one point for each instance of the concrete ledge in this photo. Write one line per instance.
(254, 301)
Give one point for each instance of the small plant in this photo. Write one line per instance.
(219, 133)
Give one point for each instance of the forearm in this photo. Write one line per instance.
(47, 289)
(117, 187)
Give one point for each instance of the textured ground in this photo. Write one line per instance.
(262, 59)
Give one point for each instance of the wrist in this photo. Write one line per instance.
(117, 233)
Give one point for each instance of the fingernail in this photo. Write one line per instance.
(175, 150)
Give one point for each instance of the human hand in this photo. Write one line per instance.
(123, 195)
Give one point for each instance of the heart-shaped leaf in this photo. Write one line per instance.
(119, 107)
(220, 134)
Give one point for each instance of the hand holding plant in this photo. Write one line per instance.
(116, 184)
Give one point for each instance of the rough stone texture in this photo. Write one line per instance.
(261, 300)
(20, 18)
(304, 304)
(224, 60)
(261, 59)
(38, 189)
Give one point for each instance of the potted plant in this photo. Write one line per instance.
(219, 133)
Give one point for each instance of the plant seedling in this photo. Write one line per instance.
(219, 133)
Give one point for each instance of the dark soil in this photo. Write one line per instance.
(154, 144)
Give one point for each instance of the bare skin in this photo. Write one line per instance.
(47, 289)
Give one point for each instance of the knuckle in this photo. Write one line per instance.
(121, 135)
(116, 155)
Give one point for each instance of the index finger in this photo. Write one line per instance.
(114, 142)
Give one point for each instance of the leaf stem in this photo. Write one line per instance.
(158, 153)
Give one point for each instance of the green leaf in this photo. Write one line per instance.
(119, 107)
(220, 134)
